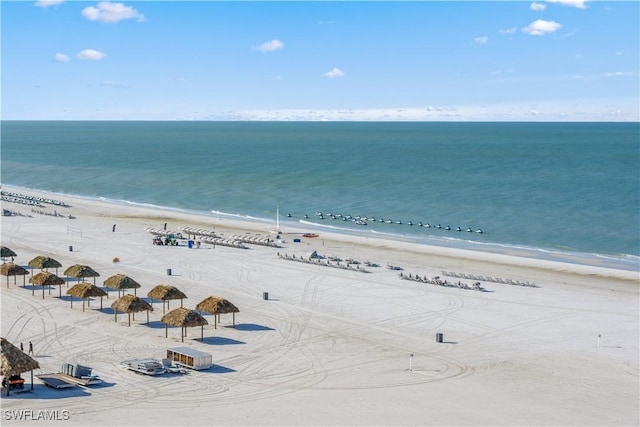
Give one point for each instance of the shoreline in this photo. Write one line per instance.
(450, 246)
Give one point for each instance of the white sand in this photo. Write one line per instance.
(330, 346)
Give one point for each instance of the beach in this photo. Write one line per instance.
(325, 346)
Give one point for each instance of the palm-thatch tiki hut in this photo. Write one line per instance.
(44, 278)
(5, 252)
(44, 263)
(11, 269)
(79, 271)
(14, 361)
(120, 282)
(165, 293)
(85, 291)
(217, 306)
(131, 304)
(184, 318)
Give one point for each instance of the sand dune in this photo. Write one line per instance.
(330, 346)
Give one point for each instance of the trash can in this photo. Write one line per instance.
(190, 243)
(439, 337)
(265, 296)
(70, 248)
(168, 272)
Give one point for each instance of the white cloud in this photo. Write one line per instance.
(47, 3)
(60, 57)
(270, 46)
(508, 30)
(620, 74)
(336, 72)
(538, 7)
(91, 55)
(580, 4)
(111, 12)
(541, 27)
(482, 39)
(622, 109)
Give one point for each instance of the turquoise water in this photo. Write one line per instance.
(551, 187)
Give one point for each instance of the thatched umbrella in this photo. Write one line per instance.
(44, 263)
(13, 361)
(184, 318)
(11, 269)
(166, 293)
(131, 304)
(217, 306)
(44, 278)
(85, 290)
(121, 282)
(5, 252)
(79, 271)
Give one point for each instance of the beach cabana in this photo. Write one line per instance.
(216, 306)
(85, 291)
(166, 293)
(5, 252)
(44, 278)
(11, 269)
(184, 318)
(120, 282)
(131, 304)
(14, 361)
(79, 271)
(44, 263)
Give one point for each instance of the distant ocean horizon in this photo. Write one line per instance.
(566, 191)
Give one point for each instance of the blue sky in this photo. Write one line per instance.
(562, 60)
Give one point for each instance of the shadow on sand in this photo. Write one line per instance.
(220, 341)
(41, 391)
(251, 327)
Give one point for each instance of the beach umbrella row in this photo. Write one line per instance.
(129, 304)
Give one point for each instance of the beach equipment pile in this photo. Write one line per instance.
(158, 232)
(191, 231)
(8, 196)
(490, 279)
(219, 241)
(331, 262)
(439, 282)
(255, 240)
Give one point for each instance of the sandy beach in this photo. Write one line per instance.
(330, 346)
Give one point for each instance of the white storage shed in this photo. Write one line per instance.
(190, 358)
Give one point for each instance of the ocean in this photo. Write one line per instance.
(565, 191)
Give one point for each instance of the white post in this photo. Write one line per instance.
(411, 362)
(599, 335)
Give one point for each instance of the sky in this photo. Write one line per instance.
(560, 60)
